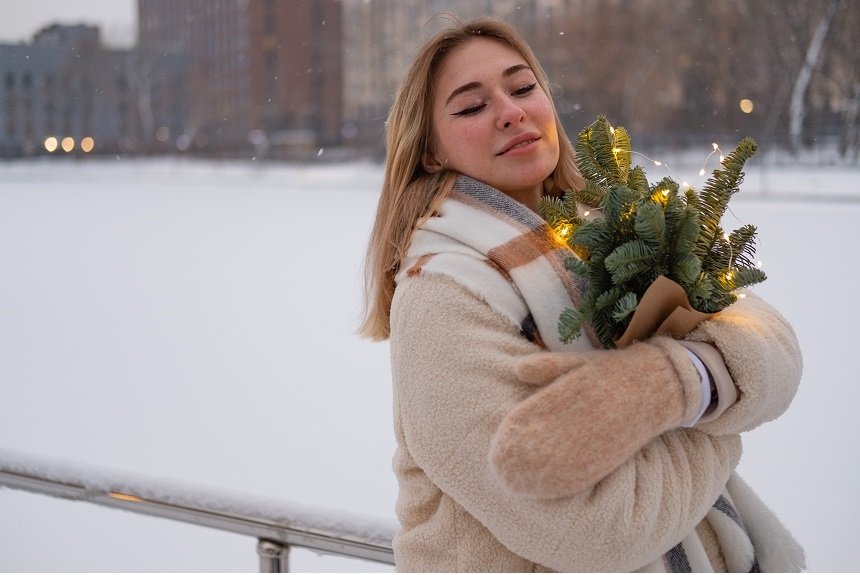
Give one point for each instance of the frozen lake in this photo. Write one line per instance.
(195, 321)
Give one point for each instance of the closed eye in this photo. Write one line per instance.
(471, 110)
(525, 89)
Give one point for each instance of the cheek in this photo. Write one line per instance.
(463, 140)
(547, 119)
(471, 137)
(545, 112)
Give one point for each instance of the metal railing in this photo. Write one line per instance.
(276, 525)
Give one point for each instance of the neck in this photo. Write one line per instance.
(528, 198)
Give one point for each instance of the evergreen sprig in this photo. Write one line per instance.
(647, 230)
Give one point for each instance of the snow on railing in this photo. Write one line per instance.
(276, 524)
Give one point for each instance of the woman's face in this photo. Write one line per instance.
(493, 121)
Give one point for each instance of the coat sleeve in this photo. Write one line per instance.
(453, 363)
(762, 355)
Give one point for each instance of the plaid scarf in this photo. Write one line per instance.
(504, 253)
(735, 546)
(509, 257)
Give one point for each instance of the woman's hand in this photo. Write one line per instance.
(595, 411)
(761, 355)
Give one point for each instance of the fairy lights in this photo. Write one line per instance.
(663, 194)
(563, 232)
(657, 163)
(714, 151)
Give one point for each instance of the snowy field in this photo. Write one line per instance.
(195, 321)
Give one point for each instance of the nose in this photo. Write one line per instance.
(511, 114)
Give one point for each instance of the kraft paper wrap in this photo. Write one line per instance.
(664, 309)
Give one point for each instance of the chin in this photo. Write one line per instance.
(524, 179)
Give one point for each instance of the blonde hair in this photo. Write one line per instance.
(409, 192)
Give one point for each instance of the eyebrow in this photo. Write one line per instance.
(474, 85)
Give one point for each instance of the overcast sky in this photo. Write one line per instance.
(19, 19)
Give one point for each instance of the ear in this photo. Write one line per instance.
(431, 163)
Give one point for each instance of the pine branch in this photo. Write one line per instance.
(717, 192)
(646, 231)
(592, 194)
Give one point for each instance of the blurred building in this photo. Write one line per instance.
(381, 38)
(262, 73)
(64, 91)
(285, 78)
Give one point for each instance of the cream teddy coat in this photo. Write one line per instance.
(453, 359)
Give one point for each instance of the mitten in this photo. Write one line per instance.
(596, 409)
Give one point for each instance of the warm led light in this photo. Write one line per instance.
(758, 265)
(702, 172)
(564, 231)
(87, 144)
(742, 295)
(585, 214)
(658, 163)
(746, 106)
(716, 147)
(51, 144)
(68, 144)
(616, 150)
(125, 497)
(665, 193)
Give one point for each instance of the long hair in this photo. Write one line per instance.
(409, 192)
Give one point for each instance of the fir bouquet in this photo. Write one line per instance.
(649, 240)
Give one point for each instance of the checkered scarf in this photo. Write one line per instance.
(735, 546)
(491, 243)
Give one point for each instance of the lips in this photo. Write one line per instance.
(520, 141)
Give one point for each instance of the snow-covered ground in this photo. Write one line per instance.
(195, 321)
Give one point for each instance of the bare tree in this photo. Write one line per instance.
(797, 107)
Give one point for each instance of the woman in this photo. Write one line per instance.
(515, 452)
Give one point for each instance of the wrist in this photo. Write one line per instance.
(707, 389)
(724, 394)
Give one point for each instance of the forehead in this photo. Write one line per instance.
(477, 60)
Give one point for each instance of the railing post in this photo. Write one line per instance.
(274, 557)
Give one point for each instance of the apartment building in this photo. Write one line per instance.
(65, 93)
(261, 72)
